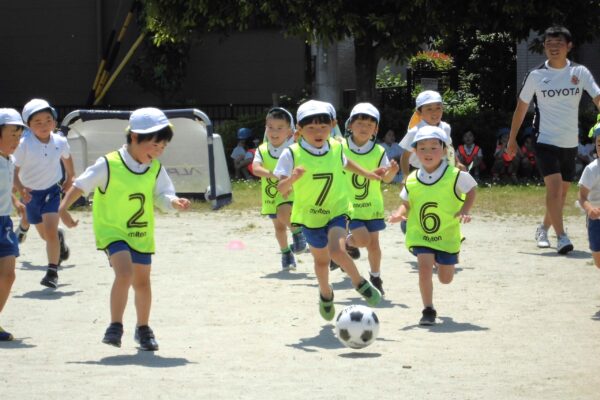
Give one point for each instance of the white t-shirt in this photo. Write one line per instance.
(273, 151)
(237, 152)
(392, 150)
(285, 164)
(96, 176)
(557, 94)
(39, 163)
(464, 183)
(590, 178)
(7, 174)
(406, 142)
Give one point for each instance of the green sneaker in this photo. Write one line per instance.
(326, 307)
(369, 292)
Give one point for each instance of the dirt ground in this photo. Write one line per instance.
(518, 322)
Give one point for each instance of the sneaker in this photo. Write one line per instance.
(369, 292)
(352, 251)
(377, 282)
(288, 261)
(298, 243)
(50, 279)
(145, 337)
(563, 244)
(541, 236)
(5, 336)
(64, 249)
(403, 226)
(326, 307)
(333, 265)
(113, 334)
(428, 318)
(21, 234)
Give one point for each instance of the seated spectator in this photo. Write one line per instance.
(505, 166)
(240, 155)
(393, 151)
(528, 168)
(470, 154)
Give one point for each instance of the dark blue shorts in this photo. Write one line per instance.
(42, 202)
(317, 238)
(441, 257)
(593, 227)
(372, 225)
(553, 160)
(9, 244)
(136, 257)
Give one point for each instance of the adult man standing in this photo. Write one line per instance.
(555, 87)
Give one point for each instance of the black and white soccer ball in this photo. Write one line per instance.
(357, 326)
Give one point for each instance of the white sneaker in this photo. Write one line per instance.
(541, 237)
(564, 245)
(21, 234)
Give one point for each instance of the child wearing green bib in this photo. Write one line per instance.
(435, 199)
(279, 133)
(123, 215)
(367, 199)
(314, 168)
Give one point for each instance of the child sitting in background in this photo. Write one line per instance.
(505, 165)
(240, 155)
(470, 154)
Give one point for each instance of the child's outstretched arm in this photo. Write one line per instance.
(262, 172)
(18, 187)
(390, 171)
(400, 214)
(286, 182)
(358, 170)
(69, 173)
(463, 213)
(591, 211)
(63, 210)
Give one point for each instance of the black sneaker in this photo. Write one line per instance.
(352, 251)
(50, 279)
(377, 282)
(145, 337)
(113, 334)
(333, 265)
(429, 315)
(64, 249)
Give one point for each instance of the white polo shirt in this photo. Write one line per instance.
(285, 164)
(406, 142)
(39, 163)
(590, 178)
(7, 174)
(556, 94)
(464, 183)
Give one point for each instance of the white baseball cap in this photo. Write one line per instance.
(428, 97)
(34, 106)
(313, 107)
(10, 116)
(147, 120)
(429, 132)
(365, 108)
(331, 109)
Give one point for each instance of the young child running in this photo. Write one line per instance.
(37, 175)
(279, 133)
(314, 168)
(435, 199)
(11, 128)
(589, 198)
(368, 212)
(123, 215)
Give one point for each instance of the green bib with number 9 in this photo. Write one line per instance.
(125, 210)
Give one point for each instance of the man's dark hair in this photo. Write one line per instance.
(557, 31)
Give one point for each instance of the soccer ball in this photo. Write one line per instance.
(357, 326)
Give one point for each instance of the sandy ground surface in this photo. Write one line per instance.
(518, 322)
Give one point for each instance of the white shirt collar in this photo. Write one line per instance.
(365, 148)
(276, 151)
(433, 177)
(129, 160)
(314, 150)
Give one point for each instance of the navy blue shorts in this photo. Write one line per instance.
(441, 257)
(317, 238)
(42, 202)
(372, 225)
(593, 228)
(136, 257)
(9, 244)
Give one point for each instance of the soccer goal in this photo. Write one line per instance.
(195, 158)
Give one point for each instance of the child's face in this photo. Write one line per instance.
(146, 151)
(430, 153)
(278, 131)
(432, 113)
(363, 130)
(11, 134)
(468, 138)
(42, 124)
(316, 134)
(389, 137)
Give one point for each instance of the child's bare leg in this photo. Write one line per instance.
(50, 235)
(374, 251)
(143, 293)
(321, 259)
(7, 278)
(595, 255)
(425, 262)
(24, 221)
(445, 273)
(282, 223)
(360, 237)
(280, 233)
(336, 244)
(123, 268)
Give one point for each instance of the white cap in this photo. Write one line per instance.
(429, 132)
(331, 109)
(367, 109)
(10, 116)
(428, 97)
(34, 106)
(313, 107)
(147, 120)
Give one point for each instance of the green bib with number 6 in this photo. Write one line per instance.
(125, 210)
(322, 192)
(271, 198)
